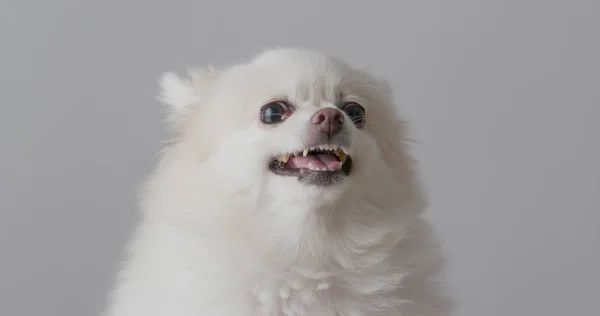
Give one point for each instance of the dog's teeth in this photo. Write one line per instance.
(305, 152)
(342, 157)
(285, 158)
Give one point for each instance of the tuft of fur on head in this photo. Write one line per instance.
(222, 234)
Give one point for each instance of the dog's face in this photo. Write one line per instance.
(296, 125)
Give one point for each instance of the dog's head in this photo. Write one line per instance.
(293, 126)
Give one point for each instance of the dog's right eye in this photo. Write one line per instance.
(275, 112)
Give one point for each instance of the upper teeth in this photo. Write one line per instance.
(338, 151)
(325, 147)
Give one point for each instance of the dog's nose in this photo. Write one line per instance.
(328, 121)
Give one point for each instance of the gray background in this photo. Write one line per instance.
(503, 97)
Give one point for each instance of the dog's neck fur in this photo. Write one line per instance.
(319, 231)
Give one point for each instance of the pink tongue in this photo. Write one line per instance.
(315, 162)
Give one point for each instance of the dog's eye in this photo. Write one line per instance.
(275, 112)
(356, 113)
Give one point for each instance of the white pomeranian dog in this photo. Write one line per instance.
(287, 190)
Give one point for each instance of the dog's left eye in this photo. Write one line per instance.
(356, 113)
(275, 112)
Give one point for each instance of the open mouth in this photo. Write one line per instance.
(319, 165)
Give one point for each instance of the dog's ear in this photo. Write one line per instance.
(184, 95)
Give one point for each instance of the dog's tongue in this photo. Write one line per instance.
(315, 162)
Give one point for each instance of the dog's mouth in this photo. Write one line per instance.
(321, 165)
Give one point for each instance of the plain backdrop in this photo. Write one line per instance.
(503, 98)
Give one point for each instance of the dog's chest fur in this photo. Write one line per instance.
(292, 295)
(174, 277)
(327, 289)
(343, 293)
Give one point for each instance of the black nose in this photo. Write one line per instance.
(328, 121)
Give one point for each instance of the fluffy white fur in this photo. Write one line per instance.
(222, 235)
